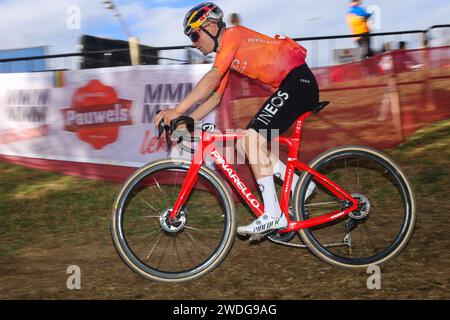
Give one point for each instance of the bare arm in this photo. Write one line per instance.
(206, 107)
(204, 89)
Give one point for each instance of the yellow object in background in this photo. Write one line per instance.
(357, 19)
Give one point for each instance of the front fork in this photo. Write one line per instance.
(186, 188)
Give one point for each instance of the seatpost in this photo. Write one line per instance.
(296, 136)
(299, 125)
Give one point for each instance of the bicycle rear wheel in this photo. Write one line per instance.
(193, 245)
(384, 221)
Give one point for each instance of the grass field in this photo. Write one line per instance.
(50, 221)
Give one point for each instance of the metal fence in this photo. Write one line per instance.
(320, 49)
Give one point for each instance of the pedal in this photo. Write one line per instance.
(259, 236)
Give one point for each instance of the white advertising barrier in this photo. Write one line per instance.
(99, 116)
(347, 55)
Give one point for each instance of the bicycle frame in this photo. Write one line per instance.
(293, 143)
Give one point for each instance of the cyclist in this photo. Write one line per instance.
(277, 61)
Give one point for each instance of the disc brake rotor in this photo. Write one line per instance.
(172, 226)
(363, 207)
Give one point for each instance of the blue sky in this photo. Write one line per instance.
(115, 31)
(320, 19)
(27, 23)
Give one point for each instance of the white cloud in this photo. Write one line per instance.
(28, 23)
(162, 26)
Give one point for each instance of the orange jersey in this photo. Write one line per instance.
(257, 56)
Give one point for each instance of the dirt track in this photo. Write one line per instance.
(40, 273)
(42, 235)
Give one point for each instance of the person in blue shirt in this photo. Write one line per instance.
(357, 18)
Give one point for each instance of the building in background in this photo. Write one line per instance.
(26, 65)
(148, 55)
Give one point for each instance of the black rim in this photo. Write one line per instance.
(130, 254)
(406, 199)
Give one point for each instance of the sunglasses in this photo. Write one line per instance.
(194, 36)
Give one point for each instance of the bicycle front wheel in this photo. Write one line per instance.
(384, 221)
(172, 251)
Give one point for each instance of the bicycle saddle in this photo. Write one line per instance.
(320, 106)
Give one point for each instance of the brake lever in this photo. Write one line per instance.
(164, 128)
(160, 128)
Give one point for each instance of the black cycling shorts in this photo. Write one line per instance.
(297, 94)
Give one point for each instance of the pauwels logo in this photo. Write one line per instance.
(97, 114)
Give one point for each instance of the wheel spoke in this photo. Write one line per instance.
(376, 179)
(206, 234)
(201, 238)
(346, 178)
(178, 253)
(163, 254)
(194, 245)
(190, 238)
(148, 204)
(371, 235)
(150, 237)
(154, 246)
(196, 229)
(370, 238)
(357, 177)
(157, 184)
(175, 184)
(141, 239)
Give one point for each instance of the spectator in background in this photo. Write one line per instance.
(235, 20)
(357, 18)
(404, 61)
(386, 63)
(386, 47)
(402, 45)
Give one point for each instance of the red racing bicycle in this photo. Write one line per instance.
(175, 220)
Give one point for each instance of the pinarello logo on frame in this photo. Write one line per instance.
(97, 114)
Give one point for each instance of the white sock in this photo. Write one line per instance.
(269, 195)
(279, 171)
